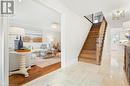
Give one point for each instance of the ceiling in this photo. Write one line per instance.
(38, 18)
(30, 14)
(86, 7)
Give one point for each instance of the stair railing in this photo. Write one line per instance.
(100, 41)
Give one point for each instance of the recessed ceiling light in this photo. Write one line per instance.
(55, 25)
(20, 0)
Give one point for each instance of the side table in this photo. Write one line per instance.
(22, 64)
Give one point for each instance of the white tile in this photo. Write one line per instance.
(109, 73)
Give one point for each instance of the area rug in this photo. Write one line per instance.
(46, 62)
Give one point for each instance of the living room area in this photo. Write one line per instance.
(34, 40)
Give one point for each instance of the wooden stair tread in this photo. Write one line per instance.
(88, 60)
(90, 42)
(89, 47)
(94, 31)
(88, 55)
(91, 39)
(92, 35)
(89, 51)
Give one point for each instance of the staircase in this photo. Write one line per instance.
(93, 46)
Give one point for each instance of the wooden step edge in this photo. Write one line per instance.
(88, 61)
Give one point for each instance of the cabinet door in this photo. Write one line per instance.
(125, 58)
(127, 62)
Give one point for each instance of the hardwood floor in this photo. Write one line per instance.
(34, 72)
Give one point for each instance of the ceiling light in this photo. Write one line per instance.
(20, 0)
(55, 25)
(118, 14)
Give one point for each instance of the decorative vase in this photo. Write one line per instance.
(16, 41)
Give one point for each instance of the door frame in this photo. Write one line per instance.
(4, 68)
(4, 51)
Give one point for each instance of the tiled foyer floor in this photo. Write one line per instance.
(110, 73)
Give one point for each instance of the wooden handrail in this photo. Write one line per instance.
(101, 39)
(88, 19)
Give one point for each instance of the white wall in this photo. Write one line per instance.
(47, 35)
(3, 52)
(116, 35)
(74, 30)
(107, 43)
(111, 43)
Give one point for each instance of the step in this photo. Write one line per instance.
(95, 29)
(96, 25)
(94, 32)
(90, 43)
(92, 61)
(89, 47)
(88, 51)
(93, 45)
(93, 36)
(91, 39)
(88, 56)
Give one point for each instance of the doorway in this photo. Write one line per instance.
(39, 30)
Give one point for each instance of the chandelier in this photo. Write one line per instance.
(118, 14)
